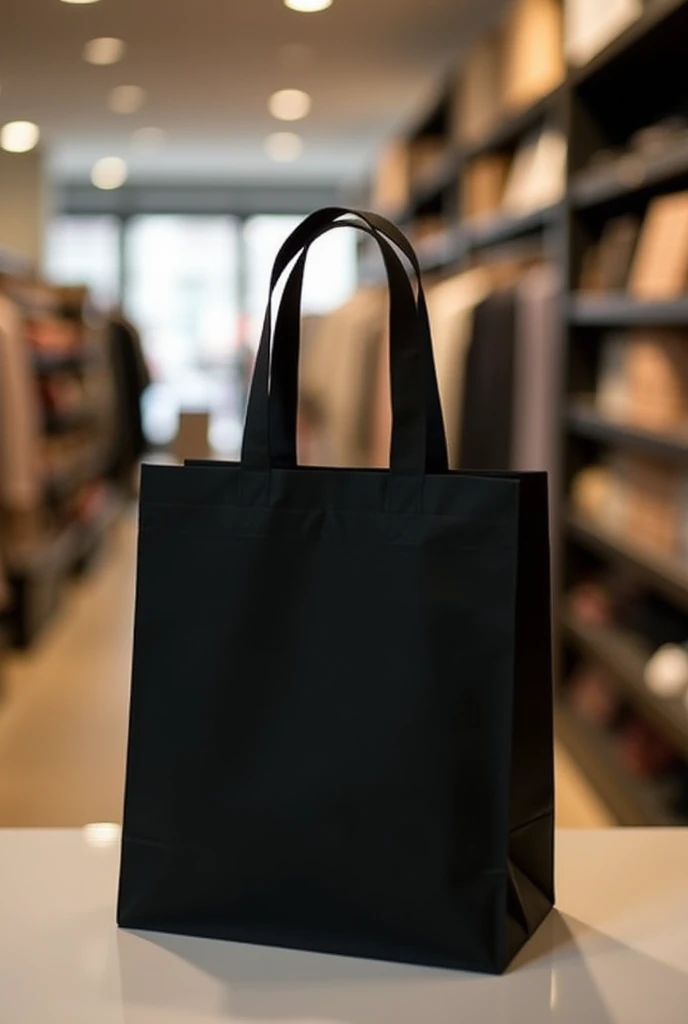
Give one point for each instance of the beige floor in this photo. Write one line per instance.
(63, 716)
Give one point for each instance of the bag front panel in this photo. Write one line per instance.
(321, 714)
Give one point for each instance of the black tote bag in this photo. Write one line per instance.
(341, 712)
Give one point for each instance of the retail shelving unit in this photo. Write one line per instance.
(459, 243)
(637, 80)
(584, 421)
(78, 503)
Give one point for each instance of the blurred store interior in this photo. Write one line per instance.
(153, 158)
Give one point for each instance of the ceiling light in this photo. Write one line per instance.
(126, 99)
(19, 136)
(103, 51)
(148, 140)
(284, 147)
(79, 1)
(110, 172)
(308, 6)
(289, 104)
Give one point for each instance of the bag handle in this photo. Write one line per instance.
(321, 220)
(408, 359)
(285, 359)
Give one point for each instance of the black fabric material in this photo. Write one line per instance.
(488, 385)
(340, 735)
(418, 440)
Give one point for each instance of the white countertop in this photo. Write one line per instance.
(615, 952)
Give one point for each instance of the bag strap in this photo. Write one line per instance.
(285, 358)
(410, 358)
(316, 222)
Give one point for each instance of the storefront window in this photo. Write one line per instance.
(85, 250)
(196, 288)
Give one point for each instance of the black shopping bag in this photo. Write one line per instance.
(341, 712)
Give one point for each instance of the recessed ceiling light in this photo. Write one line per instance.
(289, 104)
(126, 99)
(103, 51)
(308, 6)
(284, 147)
(19, 136)
(110, 172)
(148, 140)
(79, 1)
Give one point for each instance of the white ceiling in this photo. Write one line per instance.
(208, 67)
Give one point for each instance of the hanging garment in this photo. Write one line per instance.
(488, 386)
(20, 480)
(131, 380)
(451, 307)
(4, 588)
(340, 376)
(537, 369)
(538, 348)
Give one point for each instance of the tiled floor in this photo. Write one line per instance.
(63, 715)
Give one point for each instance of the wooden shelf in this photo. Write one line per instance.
(507, 228)
(447, 171)
(46, 363)
(513, 125)
(509, 129)
(583, 420)
(632, 801)
(449, 249)
(79, 418)
(91, 533)
(89, 466)
(4, 649)
(51, 554)
(628, 176)
(38, 571)
(444, 251)
(64, 551)
(625, 656)
(622, 311)
(666, 576)
(660, 18)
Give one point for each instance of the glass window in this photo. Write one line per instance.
(85, 250)
(196, 287)
(181, 290)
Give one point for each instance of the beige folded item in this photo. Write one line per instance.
(533, 51)
(450, 306)
(660, 266)
(20, 484)
(478, 101)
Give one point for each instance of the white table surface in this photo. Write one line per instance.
(615, 951)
